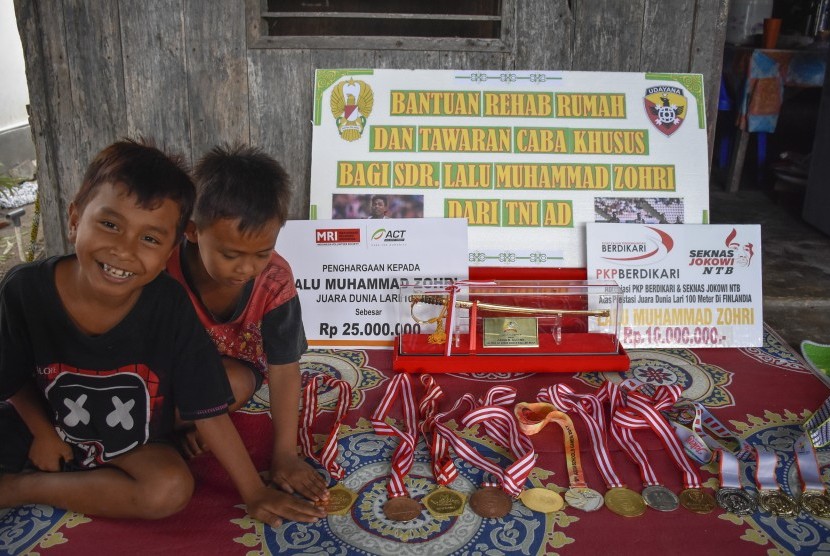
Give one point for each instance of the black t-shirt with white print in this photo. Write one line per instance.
(110, 393)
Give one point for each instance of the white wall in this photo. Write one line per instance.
(14, 93)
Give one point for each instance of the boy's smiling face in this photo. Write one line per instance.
(233, 258)
(120, 246)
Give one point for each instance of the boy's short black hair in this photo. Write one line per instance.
(241, 182)
(148, 173)
(379, 198)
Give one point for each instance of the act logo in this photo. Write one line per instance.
(382, 235)
(666, 108)
(351, 104)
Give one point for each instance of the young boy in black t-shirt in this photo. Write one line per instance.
(98, 350)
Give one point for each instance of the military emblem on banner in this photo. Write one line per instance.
(666, 108)
(351, 104)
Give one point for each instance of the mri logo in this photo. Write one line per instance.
(337, 236)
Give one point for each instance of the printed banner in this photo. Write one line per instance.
(527, 158)
(348, 273)
(683, 286)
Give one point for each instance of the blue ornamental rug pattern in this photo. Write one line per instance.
(366, 531)
(701, 382)
(776, 353)
(351, 366)
(806, 535)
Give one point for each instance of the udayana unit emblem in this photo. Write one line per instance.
(666, 107)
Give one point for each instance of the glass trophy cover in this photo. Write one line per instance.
(520, 326)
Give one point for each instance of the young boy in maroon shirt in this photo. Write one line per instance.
(245, 296)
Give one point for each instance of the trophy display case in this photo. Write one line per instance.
(510, 326)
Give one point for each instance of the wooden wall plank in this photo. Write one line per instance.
(281, 84)
(546, 35)
(706, 56)
(667, 34)
(44, 48)
(607, 35)
(217, 74)
(96, 70)
(154, 72)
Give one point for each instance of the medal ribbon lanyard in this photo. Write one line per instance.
(730, 469)
(501, 425)
(404, 455)
(698, 444)
(615, 396)
(590, 408)
(645, 412)
(808, 467)
(818, 426)
(328, 453)
(767, 461)
(443, 467)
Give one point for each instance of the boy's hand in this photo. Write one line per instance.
(292, 474)
(271, 506)
(48, 452)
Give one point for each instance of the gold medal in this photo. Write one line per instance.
(777, 503)
(816, 503)
(443, 502)
(625, 502)
(542, 500)
(340, 500)
(697, 500)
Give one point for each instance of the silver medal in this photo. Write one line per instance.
(736, 501)
(660, 498)
(584, 498)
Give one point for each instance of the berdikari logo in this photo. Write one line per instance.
(337, 236)
(385, 237)
(648, 246)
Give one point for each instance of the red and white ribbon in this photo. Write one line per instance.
(328, 454)
(639, 411)
(590, 408)
(498, 422)
(404, 455)
(612, 393)
(649, 408)
(443, 467)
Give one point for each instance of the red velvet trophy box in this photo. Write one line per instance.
(510, 326)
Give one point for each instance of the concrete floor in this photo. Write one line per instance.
(796, 259)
